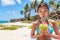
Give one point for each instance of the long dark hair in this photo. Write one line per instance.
(37, 17)
(42, 4)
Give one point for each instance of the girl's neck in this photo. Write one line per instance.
(43, 21)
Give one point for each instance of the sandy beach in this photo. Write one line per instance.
(19, 34)
(17, 23)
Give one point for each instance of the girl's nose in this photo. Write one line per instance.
(43, 13)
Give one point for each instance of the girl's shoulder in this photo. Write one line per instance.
(35, 23)
(52, 22)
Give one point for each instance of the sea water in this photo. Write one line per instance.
(1, 22)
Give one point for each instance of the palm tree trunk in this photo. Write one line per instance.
(25, 15)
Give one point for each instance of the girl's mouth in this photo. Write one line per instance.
(43, 16)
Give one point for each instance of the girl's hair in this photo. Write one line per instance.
(42, 4)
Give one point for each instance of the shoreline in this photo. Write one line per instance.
(17, 23)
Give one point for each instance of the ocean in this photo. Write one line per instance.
(1, 22)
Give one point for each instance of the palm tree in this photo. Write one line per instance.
(42, 1)
(28, 16)
(26, 9)
(34, 5)
(52, 3)
(21, 12)
(55, 7)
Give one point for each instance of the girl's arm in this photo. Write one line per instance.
(33, 35)
(55, 27)
(54, 36)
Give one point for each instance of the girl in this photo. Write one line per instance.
(43, 12)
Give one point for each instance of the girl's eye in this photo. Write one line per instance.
(40, 11)
(43, 11)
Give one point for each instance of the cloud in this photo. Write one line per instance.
(19, 1)
(8, 2)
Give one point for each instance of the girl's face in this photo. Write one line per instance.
(43, 12)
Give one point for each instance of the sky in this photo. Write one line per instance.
(11, 8)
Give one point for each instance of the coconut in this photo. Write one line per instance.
(44, 27)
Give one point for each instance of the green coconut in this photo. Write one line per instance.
(44, 27)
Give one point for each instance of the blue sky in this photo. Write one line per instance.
(11, 8)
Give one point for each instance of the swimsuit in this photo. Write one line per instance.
(49, 26)
(38, 30)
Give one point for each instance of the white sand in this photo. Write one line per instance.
(17, 23)
(19, 34)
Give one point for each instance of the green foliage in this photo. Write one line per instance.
(27, 21)
(10, 27)
(33, 6)
(58, 23)
(30, 27)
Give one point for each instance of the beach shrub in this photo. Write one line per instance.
(5, 27)
(1, 25)
(58, 23)
(30, 27)
(10, 27)
(27, 21)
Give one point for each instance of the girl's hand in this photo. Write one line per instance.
(47, 33)
(39, 35)
(55, 27)
(55, 36)
(59, 38)
(41, 32)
